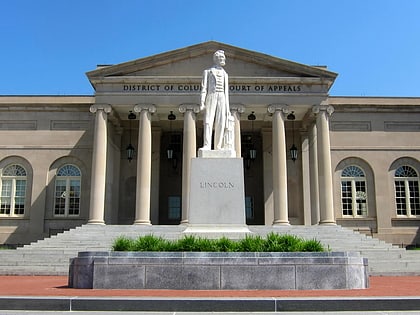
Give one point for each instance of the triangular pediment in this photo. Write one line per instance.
(191, 61)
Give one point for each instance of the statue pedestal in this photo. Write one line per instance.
(217, 197)
(214, 154)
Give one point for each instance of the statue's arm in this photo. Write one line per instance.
(227, 93)
(203, 90)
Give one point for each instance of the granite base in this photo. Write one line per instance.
(218, 271)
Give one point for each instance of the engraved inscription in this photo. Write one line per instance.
(216, 185)
(195, 88)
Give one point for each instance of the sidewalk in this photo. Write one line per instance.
(50, 293)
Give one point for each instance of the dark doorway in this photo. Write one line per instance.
(170, 178)
(251, 148)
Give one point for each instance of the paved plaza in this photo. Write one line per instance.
(46, 294)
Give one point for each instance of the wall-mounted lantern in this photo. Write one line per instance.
(293, 149)
(130, 148)
(170, 151)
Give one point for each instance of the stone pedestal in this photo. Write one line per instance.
(217, 197)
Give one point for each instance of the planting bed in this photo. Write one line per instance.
(219, 270)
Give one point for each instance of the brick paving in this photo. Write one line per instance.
(401, 286)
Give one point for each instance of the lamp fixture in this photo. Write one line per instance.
(130, 149)
(293, 149)
(252, 116)
(251, 155)
(170, 151)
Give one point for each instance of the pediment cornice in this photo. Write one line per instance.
(144, 66)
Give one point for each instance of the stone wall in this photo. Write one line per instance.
(218, 271)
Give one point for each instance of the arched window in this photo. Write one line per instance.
(13, 191)
(407, 197)
(353, 192)
(67, 191)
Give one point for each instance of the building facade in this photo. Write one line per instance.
(123, 155)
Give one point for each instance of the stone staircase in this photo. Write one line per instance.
(51, 255)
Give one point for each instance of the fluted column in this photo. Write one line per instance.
(326, 203)
(98, 178)
(189, 148)
(279, 165)
(236, 111)
(144, 163)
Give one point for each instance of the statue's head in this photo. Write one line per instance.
(219, 58)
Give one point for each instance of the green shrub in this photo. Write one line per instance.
(150, 243)
(122, 243)
(207, 245)
(283, 243)
(225, 245)
(189, 243)
(251, 243)
(312, 246)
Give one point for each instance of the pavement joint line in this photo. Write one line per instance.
(219, 304)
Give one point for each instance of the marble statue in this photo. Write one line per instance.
(215, 102)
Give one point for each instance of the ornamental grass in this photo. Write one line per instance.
(273, 242)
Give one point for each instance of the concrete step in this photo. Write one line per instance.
(51, 255)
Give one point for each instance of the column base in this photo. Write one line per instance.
(97, 222)
(327, 222)
(281, 222)
(183, 222)
(142, 222)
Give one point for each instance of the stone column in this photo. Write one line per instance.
(98, 180)
(154, 194)
(267, 156)
(236, 111)
(279, 165)
(306, 179)
(326, 203)
(189, 149)
(144, 163)
(313, 174)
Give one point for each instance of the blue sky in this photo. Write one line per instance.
(46, 46)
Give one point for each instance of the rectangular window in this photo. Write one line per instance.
(400, 197)
(249, 207)
(414, 197)
(20, 197)
(5, 197)
(361, 198)
(174, 208)
(346, 198)
(60, 197)
(74, 198)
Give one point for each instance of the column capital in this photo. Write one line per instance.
(284, 108)
(237, 108)
(189, 106)
(105, 107)
(148, 107)
(327, 108)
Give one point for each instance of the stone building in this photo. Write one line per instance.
(122, 155)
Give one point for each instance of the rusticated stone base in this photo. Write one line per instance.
(218, 271)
